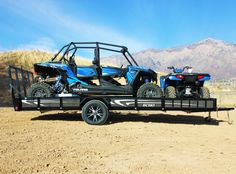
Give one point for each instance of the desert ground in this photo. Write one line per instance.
(131, 142)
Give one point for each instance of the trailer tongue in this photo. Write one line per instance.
(95, 108)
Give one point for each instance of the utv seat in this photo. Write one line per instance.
(73, 66)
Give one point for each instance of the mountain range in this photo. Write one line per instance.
(209, 56)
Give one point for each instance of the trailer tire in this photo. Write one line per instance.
(149, 90)
(41, 90)
(170, 92)
(95, 112)
(204, 92)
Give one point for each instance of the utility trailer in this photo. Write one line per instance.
(95, 108)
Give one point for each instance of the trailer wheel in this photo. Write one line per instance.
(42, 90)
(95, 112)
(170, 92)
(149, 90)
(204, 92)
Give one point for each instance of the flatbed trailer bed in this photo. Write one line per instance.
(95, 108)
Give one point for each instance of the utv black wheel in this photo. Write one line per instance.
(204, 92)
(95, 112)
(41, 90)
(170, 92)
(149, 90)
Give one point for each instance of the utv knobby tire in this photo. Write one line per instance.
(204, 92)
(149, 90)
(170, 92)
(95, 112)
(42, 90)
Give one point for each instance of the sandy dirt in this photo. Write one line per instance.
(152, 142)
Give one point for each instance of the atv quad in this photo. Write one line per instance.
(61, 75)
(181, 84)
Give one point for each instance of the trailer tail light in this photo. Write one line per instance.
(17, 104)
(179, 76)
(17, 108)
(35, 72)
(200, 77)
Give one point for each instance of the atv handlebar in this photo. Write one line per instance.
(170, 67)
(179, 70)
(187, 67)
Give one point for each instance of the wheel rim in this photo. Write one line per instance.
(39, 93)
(95, 113)
(150, 93)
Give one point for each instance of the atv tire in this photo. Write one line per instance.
(204, 92)
(170, 92)
(41, 90)
(149, 90)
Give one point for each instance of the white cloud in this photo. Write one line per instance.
(68, 28)
(43, 44)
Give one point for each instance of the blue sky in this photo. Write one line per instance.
(138, 24)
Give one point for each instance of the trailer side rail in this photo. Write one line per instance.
(116, 103)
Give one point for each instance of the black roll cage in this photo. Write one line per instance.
(96, 46)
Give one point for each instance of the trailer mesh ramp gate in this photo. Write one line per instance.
(20, 80)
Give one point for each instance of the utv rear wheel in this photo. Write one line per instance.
(95, 112)
(41, 90)
(204, 92)
(170, 92)
(149, 90)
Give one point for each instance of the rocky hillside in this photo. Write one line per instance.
(212, 56)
